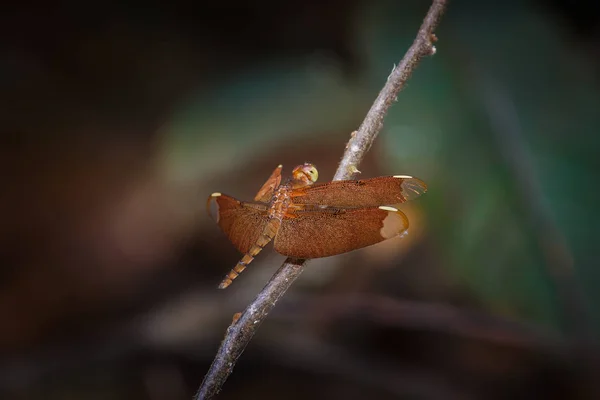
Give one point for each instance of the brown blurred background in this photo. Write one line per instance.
(119, 120)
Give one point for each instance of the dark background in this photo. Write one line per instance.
(119, 121)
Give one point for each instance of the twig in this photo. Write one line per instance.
(508, 135)
(432, 317)
(557, 256)
(241, 331)
(376, 373)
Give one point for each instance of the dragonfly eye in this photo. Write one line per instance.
(312, 173)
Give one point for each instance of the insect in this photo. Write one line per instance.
(307, 220)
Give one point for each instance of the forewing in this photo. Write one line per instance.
(383, 190)
(314, 234)
(242, 222)
(266, 191)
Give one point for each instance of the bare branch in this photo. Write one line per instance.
(508, 135)
(241, 331)
(433, 317)
(361, 140)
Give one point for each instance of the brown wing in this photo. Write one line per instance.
(242, 222)
(266, 191)
(314, 234)
(363, 193)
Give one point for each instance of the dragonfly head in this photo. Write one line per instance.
(306, 174)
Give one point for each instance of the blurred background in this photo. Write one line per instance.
(120, 120)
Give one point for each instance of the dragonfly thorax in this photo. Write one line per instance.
(280, 202)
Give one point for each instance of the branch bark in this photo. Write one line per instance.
(241, 330)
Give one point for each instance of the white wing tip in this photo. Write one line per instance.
(394, 223)
(216, 194)
(403, 176)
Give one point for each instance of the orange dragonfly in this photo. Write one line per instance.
(308, 220)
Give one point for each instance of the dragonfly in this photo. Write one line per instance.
(307, 220)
